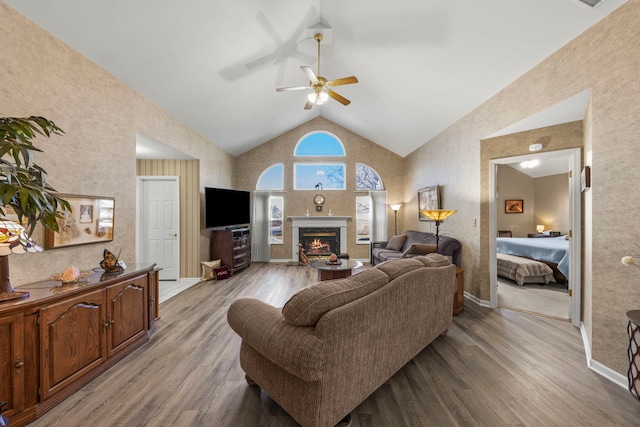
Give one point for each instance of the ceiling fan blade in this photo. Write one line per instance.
(308, 105)
(343, 81)
(286, 89)
(341, 99)
(309, 72)
(258, 62)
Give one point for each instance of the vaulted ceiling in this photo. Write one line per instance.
(421, 65)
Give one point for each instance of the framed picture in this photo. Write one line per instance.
(90, 221)
(428, 199)
(513, 206)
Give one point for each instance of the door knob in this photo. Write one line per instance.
(174, 234)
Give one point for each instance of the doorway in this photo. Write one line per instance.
(159, 224)
(571, 158)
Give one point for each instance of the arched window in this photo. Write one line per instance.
(367, 178)
(272, 178)
(319, 143)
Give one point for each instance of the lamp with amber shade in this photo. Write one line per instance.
(438, 215)
(13, 240)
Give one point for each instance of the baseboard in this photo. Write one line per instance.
(599, 368)
(280, 260)
(477, 300)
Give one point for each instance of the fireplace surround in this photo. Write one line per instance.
(318, 222)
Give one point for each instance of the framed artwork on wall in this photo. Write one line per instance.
(90, 221)
(428, 199)
(513, 206)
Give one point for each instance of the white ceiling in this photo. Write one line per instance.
(422, 65)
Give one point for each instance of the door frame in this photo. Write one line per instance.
(139, 208)
(574, 156)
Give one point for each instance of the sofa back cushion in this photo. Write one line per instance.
(434, 260)
(397, 267)
(308, 305)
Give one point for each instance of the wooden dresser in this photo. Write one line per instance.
(63, 336)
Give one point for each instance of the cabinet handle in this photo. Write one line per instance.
(19, 364)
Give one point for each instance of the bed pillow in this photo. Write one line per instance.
(396, 242)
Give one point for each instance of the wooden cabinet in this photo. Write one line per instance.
(232, 247)
(12, 363)
(62, 337)
(458, 297)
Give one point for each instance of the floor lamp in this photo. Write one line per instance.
(438, 215)
(395, 209)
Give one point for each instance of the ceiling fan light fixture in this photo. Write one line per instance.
(318, 98)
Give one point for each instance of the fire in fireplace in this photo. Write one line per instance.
(320, 241)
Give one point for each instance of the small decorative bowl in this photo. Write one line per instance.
(81, 277)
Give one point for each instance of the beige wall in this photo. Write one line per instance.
(551, 203)
(358, 149)
(545, 201)
(604, 59)
(39, 75)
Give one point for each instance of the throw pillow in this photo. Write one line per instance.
(418, 249)
(207, 269)
(396, 242)
(434, 260)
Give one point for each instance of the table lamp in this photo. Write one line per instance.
(540, 228)
(13, 240)
(438, 215)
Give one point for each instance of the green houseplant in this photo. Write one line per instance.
(24, 188)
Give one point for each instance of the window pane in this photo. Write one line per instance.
(318, 176)
(319, 144)
(363, 220)
(276, 213)
(272, 178)
(367, 178)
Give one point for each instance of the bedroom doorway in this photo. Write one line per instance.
(569, 161)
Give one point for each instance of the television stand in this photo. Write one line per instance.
(232, 247)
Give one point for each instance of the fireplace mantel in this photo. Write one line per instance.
(320, 222)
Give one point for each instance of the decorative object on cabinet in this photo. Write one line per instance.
(110, 263)
(89, 221)
(438, 215)
(585, 178)
(72, 275)
(13, 240)
(633, 375)
(428, 199)
(395, 208)
(514, 206)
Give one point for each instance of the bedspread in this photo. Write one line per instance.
(552, 249)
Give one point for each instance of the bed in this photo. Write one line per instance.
(554, 251)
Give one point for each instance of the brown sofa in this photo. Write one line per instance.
(335, 342)
(414, 243)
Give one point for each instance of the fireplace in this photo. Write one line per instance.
(319, 222)
(319, 242)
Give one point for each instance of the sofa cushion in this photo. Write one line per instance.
(397, 267)
(308, 305)
(418, 249)
(434, 260)
(396, 242)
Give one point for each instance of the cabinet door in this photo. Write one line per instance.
(73, 340)
(11, 364)
(128, 318)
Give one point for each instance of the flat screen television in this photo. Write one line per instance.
(226, 208)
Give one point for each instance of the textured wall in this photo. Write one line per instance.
(40, 75)
(515, 185)
(358, 149)
(551, 198)
(605, 60)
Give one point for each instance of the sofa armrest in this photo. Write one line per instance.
(418, 249)
(295, 349)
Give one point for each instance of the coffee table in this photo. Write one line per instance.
(334, 271)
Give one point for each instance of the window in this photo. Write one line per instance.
(318, 176)
(276, 214)
(319, 143)
(363, 219)
(272, 178)
(367, 178)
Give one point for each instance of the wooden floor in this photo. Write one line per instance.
(494, 368)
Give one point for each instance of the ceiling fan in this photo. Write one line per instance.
(320, 85)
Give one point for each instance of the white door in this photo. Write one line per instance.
(160, 224)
